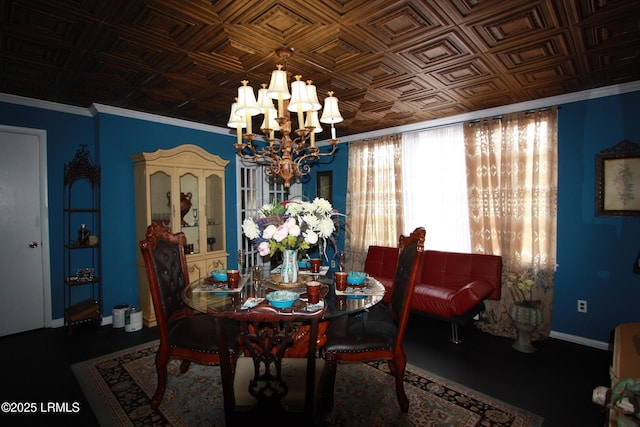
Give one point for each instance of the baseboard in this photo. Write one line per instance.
(580, 340)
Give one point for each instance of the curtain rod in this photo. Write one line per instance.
(499, 116)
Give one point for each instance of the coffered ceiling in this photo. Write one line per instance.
(390, 62)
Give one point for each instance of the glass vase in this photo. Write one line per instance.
(289, 270)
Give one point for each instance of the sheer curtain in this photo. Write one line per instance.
(374, 197)
(435, 187)
(512, 183)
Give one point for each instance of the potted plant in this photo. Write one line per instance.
(525, 311)
(624, 398)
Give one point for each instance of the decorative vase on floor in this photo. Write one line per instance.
(526, 317)
(289, 270)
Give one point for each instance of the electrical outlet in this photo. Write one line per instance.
(582, 306)
(333, 263)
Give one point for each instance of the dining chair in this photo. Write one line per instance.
(267, 384)
(377, 334)
(183, 335)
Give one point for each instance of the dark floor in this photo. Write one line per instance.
(555, 382)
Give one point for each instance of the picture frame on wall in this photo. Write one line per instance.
(324, 185)
(618, 180)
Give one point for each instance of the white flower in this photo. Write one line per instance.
(322, 205)
(294, 230)
(310, 237)
(308, 207)
(250, 229)
(269, 231)
(293, 208)
(311, 220)
(326, 227)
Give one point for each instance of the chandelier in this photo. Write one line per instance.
(284, 157)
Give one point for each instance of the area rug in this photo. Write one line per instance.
(119, 387)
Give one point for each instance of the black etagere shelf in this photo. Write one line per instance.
(82, 249)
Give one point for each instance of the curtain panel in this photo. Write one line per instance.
(512, 164)
(374, 197)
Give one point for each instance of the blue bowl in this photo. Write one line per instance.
(282, 299)
(356, 277)
(219, 275)
(304, 264)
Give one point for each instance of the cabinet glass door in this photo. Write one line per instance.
(190, 211)
(160, 198)
(215, 217)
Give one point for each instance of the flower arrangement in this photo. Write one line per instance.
(521, 286)
(292, 224)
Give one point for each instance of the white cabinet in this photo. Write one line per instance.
(183, 188)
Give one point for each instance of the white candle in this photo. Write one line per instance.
(280, 105)
(300, 117)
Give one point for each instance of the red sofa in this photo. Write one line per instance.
(451, 286)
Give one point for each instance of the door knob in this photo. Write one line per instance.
(33, 245)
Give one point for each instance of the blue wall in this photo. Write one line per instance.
(595, 254)
(118, 139)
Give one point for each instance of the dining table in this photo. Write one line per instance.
(208, 292)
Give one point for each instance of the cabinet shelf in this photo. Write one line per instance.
(77, 246)
(80, 210)
(70, 281)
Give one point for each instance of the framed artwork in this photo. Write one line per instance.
(618, 180)
(324, 185)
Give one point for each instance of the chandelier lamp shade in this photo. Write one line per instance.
(292, 154)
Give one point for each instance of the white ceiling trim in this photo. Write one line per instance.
(95, 109)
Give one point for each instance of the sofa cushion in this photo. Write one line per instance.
(451, 269)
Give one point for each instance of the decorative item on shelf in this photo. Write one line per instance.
(285, 157)
(195, 217)
(83, 235)
(291, 226)
(525, 311)
(185, 205)
(210, 242)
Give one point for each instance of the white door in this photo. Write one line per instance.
(25, 291)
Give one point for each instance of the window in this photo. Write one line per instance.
(435, 187)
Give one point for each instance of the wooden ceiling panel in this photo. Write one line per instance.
(390, 62)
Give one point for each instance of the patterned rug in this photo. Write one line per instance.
(119, 387)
